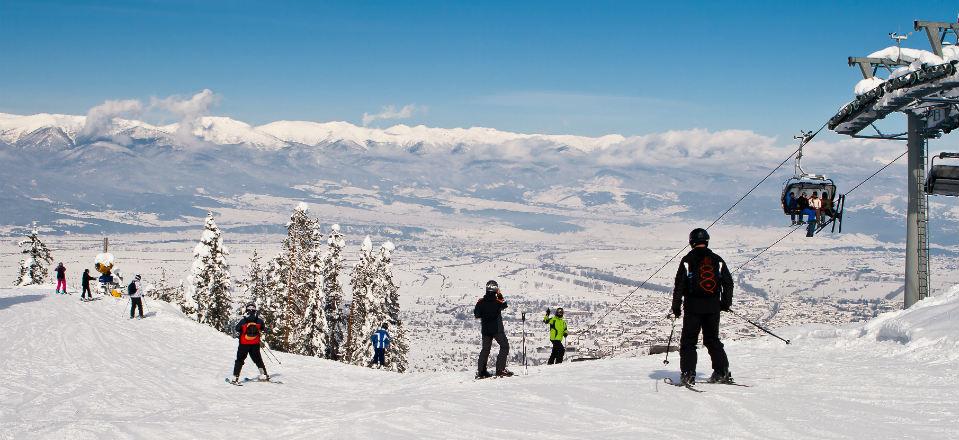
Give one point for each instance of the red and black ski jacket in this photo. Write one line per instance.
(248, 335)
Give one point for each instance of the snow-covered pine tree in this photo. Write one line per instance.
(211, 279)
(252, 289)
(386, 290)
(293, 278)
(34, 269)
(333, 293)
(163, 291)
(313, 331)
(366, 313)
(273, 302)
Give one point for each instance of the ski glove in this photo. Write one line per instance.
(547, 311)
(677, 312)
(725, 308)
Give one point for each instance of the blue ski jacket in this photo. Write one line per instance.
(381, 339)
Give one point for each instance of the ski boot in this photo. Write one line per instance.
(236, 380)
(504, 373)
(483, 374)
(721, 377)
(263, 377)
(688, 378)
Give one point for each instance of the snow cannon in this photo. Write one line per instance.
(104, 265)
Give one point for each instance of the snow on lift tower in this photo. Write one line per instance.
(928, 95)
(803, 182)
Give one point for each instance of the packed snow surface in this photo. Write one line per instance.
(84, 370)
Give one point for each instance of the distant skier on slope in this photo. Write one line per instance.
(703, 288)
(489, 309)
(249, 329)
(135, 292)
(557, 331)
(61, 278)
(381, 342)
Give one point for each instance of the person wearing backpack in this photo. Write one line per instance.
(381, 341)
(85, 285)
(557, 331)
(703, 288)
(135, 292)
(249, 329)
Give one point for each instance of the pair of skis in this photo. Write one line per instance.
(669, 381)
(248, 380)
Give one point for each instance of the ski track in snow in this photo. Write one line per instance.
(85, 371)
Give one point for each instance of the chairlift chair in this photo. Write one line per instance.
(943, 180)
(803, 182)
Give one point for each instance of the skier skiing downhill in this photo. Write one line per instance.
(249, 329)
(61, 278)
(703, 288)
(489, 309)
(557, 331)
(381, 341)
(135, 292)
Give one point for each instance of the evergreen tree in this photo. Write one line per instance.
(211, 278)
(333, 293)
(272, 307)
(313, 331)
(292, 283)
(386, 291)
(34, 269)
(365, 312)
(254, 287)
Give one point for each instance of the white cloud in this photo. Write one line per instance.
(100, 118)
(187, 110)
(390, 112)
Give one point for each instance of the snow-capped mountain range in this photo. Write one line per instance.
(65, 166)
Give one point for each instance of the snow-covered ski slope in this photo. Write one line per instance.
(75, 370)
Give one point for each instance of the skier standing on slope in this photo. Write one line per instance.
(61, 278)
(135, 292)
(489, 309)
(85, 285)
(557, 331)
(381, 341)
(249, 329)
(703, 288)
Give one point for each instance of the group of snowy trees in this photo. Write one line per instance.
(299, 293)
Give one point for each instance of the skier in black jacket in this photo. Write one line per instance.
(703, 288)
(249, 329)
(85, 285)
(489, 309)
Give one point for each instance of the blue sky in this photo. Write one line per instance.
(556, 67)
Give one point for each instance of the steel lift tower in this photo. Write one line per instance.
(929, 98)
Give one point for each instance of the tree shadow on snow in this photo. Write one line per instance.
(14, 300)
(662, 374)
(149, 314)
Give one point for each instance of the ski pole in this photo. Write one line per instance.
(270, 352)
(525, 365)
(669, 343)
(759, 327)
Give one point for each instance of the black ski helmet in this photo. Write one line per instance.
(385, 326)
(250, 308)
(698, 236)
(559, 312)
(492, 286)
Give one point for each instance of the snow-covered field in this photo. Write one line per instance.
(83, 370)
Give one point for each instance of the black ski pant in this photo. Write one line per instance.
(708, 323)
(86, 292)
(379, 357)
(556, 356)
(488, 345)
(136, 303)
(247, 349)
